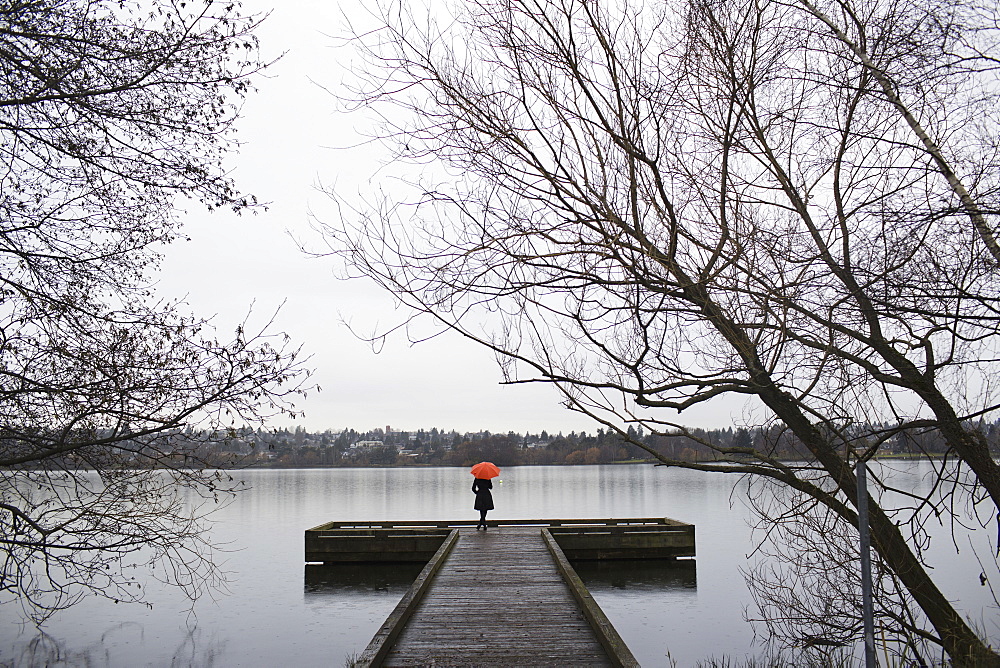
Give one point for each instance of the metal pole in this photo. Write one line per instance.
(866, 565)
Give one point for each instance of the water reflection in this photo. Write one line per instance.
(323, 580)
(116, 646)
(648, 575)
(654, 605)
(276, 613)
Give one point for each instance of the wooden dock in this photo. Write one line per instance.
(504, 597)
(583, 539)
(497, 599)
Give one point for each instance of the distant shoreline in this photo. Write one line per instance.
(630, 462)
(430, 466)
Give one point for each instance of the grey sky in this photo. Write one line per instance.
(291, 134)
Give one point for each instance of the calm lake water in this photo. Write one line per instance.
(277, 611)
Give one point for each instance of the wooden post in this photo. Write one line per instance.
(866, 565)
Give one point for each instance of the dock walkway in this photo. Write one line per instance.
(498, 599)
(505, 597)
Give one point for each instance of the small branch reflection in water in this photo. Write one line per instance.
(45, 650)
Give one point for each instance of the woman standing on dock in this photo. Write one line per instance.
(481, 487)
(484, 499)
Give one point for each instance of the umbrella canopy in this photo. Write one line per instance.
(485, 470)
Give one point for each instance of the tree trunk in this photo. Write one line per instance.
(961, 643)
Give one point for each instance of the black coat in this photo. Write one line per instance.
(484, 497)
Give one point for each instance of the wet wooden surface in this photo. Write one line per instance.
(498, 600)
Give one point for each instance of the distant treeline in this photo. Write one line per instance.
(435, 447)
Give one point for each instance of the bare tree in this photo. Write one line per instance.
(653, 207)
(110, 112)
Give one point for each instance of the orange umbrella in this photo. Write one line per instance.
(485, 470)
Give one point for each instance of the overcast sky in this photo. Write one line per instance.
(294, 139)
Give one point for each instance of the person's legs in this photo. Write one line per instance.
(482, 520)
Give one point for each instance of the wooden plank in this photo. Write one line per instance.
(373, 545)
(498, 600)
(625, 543)
(620, 530)
(608, 636)
(666, 521)
(397, 619)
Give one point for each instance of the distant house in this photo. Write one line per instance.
(367, 444)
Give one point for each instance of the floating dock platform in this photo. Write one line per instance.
(504, 597)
